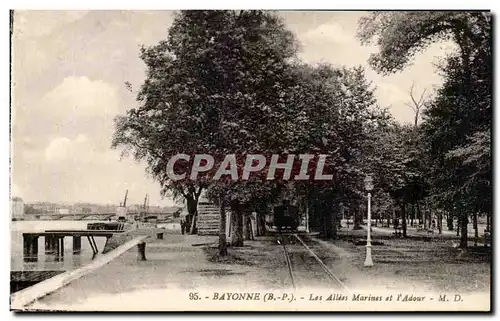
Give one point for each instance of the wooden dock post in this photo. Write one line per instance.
(60, 248)
(47, 244)
(30, 247)
(141, 251)
(34, 248)
(77, 244)
(26, 246)
(50, 244)
(55, 244)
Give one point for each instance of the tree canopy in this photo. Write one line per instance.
(230, 82)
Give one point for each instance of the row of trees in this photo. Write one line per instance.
(230, 82)
(448, 157)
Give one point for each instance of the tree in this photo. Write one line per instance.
(30, 209)
(399, 36)
(417, 105)
(213, 86)
(211, 62)
(458, 135)
(335, 112)
(398, 165)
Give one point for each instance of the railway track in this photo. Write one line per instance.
(305, 267)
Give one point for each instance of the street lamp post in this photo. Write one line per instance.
(369, 188)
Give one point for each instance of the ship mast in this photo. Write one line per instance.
(125, 199)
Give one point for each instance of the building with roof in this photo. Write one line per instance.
(17, 209)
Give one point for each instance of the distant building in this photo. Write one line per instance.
(62, 211)
(121, 211)
(43, 207)
(17, 208)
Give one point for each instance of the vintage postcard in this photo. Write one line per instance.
(251, 160)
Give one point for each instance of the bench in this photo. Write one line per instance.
(398, 231)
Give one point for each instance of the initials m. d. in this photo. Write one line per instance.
(442, 298)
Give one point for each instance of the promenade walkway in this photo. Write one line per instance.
(179, 268)
(172, 264)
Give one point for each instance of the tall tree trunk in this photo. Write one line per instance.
(192, 207)
(476, 231)
(440, 222)
(357, 216)
(222, 227)
(403, 219)
(465, 48)
(245, 226)
(261, 223)
(449, 221)
(394, 216)
(426, 219)
(311, 216)
(341, 214)
(250, 229)
(328, 224)
(307, 211)
(464, 238)
(421, 214)
(335, 212)
(413, 210)
(193, 224)
(237, 226)
(330, 210)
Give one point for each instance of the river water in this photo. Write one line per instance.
(50, 262)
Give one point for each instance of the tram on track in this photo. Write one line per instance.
(286, 217)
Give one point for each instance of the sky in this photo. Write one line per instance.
(68, 75)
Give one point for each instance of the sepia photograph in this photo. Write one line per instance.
(250, 160)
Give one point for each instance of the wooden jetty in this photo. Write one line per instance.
(20, 299)
(54, 241)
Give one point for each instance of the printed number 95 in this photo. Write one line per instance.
(193, 296)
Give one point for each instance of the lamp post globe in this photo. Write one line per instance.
(369, 183)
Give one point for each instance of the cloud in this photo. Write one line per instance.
(68, 74)
(58, 150)
(390, 94)
(80, 96)
(78, 151)
(77, 105)
(331, 31)
(335, 42)
(36, 23)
